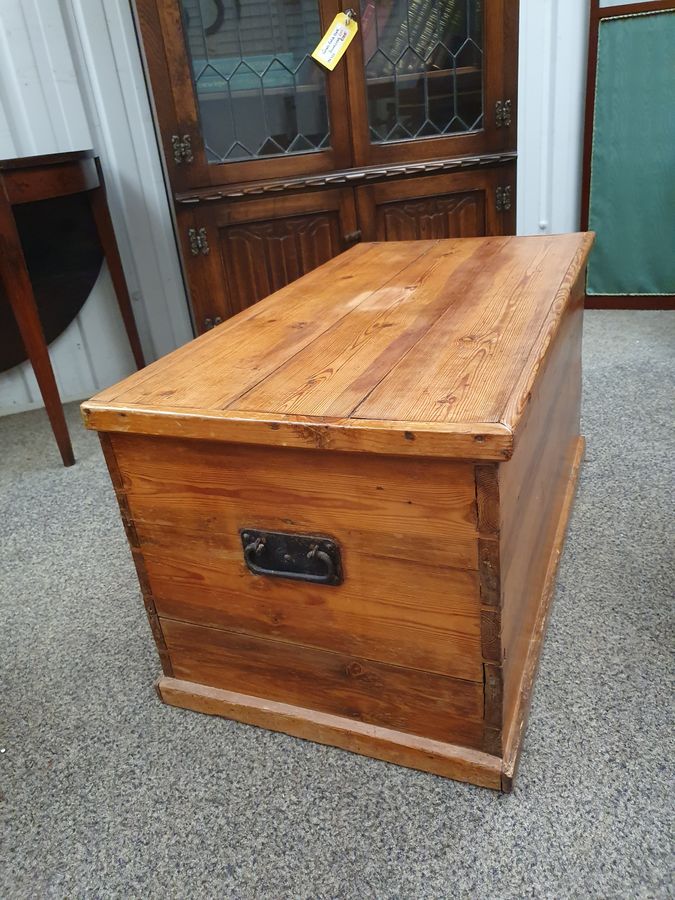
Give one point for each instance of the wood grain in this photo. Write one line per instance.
(475, 441)
(137, 556)
(417, 510)
(386, 609)
(439, 758)
(431, 640)
(433, 706)
(446, 334)
(532, 488)
(466, 367)
(331, 375)
(514, 730)
(251, 346)
(569, 294)
(196, 353)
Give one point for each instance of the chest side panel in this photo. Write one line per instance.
(406, 530)
(534, 495)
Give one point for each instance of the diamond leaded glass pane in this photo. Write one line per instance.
(258, 90)
(424, 68)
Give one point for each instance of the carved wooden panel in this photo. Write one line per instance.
(460, 215)
(453, 205)
(261, 257)
(256, 247)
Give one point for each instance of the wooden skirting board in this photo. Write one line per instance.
(448, 760)
(607, 301)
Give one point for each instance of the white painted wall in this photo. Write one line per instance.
(551, 98)
(620, 2)
(71, 78)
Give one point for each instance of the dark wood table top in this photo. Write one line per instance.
(47, 159)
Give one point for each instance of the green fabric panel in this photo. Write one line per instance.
(632, 203)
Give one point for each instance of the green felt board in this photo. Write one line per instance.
(632, 202)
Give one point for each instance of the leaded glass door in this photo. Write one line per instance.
(249, 99)
(275, 165)
(427, 79)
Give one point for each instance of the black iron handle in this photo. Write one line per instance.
(256, 548)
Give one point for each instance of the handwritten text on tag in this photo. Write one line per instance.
(335, 41)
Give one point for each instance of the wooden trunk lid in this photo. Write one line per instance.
(424, 348)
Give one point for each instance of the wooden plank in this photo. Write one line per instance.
(464, 369)
(419, 510)
(487, 500)
(197, 353)
(332, 375)
(252, 345)
(532, 487)
(393, 610)
(476, 440)
(494, 695)
(439, 758)
(570, 293)
(514, 730)
(489, 572)
(432, 706)
(351, 354)
(137, 556)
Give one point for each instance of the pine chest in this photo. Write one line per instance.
(347, 503)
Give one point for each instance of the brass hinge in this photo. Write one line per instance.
(198, 242)
(503, 113)
(182, 148)
(503, 198)
(210, 323)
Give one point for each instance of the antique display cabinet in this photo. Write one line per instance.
(276, 165)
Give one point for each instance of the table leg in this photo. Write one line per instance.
(16, 281)
(106, 234)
